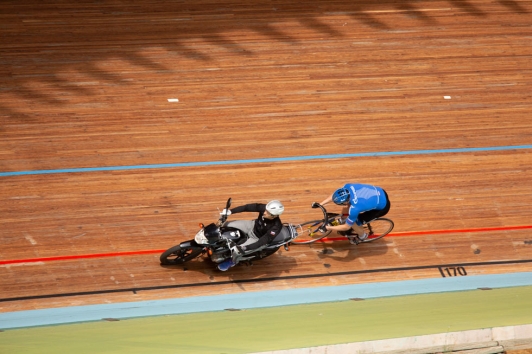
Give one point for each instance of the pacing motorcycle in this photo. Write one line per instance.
(217, 240)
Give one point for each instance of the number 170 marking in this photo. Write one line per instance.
(452, 271)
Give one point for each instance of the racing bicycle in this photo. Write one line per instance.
(314, 230)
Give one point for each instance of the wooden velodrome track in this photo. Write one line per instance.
(164, 83)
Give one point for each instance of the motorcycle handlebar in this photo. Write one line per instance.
(223, 218)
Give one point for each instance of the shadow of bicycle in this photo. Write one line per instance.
(343, 251)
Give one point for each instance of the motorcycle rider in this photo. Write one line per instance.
(260, 231)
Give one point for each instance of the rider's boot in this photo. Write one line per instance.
(225, 265)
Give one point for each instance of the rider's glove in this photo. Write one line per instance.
(315, 205)
(225, 212)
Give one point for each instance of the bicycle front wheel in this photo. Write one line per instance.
(308, 232)
(378, 228)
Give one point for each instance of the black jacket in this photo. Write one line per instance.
(264, 229)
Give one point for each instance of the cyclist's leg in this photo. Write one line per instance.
(354, 233)
(359, 230)
(354, 230)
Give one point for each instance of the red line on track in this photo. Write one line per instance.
(482, 229)
(81, 256)
(134, 253)
(435, 232)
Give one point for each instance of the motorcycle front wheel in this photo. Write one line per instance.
(179, 255)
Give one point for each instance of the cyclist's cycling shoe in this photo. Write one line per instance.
(363, 237)
(354, 239)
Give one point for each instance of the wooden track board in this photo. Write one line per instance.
(255, 80)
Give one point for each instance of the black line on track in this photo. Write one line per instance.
(161, 287)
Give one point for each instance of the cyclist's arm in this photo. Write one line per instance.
(348, 222)
(327, 201)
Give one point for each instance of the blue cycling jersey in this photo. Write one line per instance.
(364, 197)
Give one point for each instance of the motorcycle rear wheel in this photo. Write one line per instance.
(179, 255)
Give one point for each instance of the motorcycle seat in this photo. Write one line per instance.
(285, 235)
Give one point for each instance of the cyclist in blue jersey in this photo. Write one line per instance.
(361, 203)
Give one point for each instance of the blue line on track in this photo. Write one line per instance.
(265, 160)
(260, 299)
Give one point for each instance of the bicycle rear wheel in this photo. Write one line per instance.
(308, 232)
(378, 228)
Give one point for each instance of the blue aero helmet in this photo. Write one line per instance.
(341, 196)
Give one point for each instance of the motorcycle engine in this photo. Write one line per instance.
(217, 258)
(220, 255)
